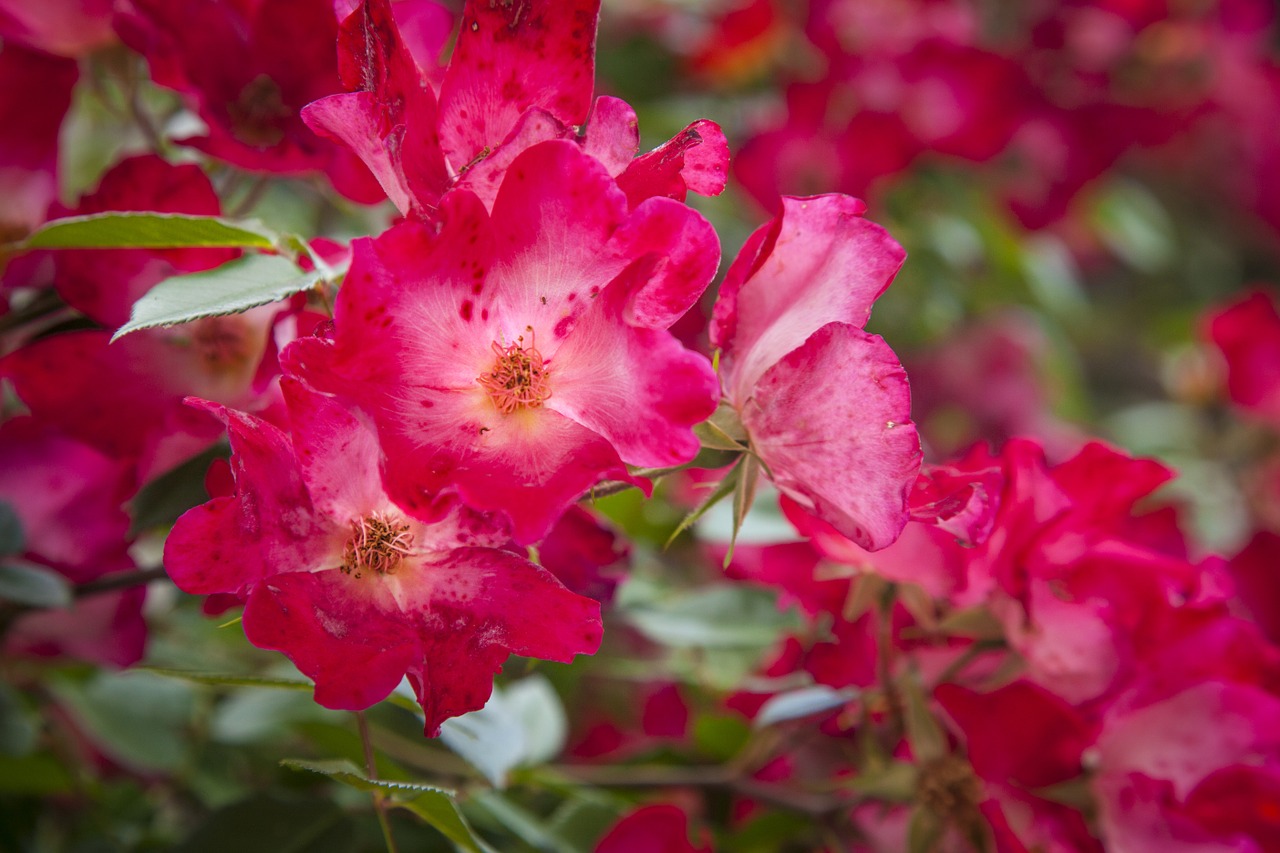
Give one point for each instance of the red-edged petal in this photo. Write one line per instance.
(832, 421)
(695, 159)
(511, 57)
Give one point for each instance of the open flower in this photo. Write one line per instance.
(521, 73)
(521, 357)
(825, 404)
(357, 592)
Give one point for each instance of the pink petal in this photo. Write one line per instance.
(107, 628)
(354, 120)
(678, 254)
(35, 92)
(640, 389)
(697, 159)
(485, 175)
(230, 544)
(612, 134)
(819, 262)
(831, 421)
(340, 631)
(509, 58)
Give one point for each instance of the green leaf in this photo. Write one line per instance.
(161, 501)
(231, 288)
(266, 823)
(32, 585)
(721, 736)
(433, 804)
(928, 743)
(722, 490)
(744, 495)
(895, 782)
(527, 826)
(12, 538)
(975, 622)
(723, 430)
(17, 724)
(717, 616)
(924, 831)
(805, 702)
(143, 230)
(137, 717)
(227, 680)
(38, 774)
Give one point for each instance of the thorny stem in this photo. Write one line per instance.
(371, 768)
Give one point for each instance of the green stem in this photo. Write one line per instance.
(371, 768)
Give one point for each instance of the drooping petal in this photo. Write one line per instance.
(832, 421)
(696, 159)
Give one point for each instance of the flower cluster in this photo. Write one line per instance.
(374, 322)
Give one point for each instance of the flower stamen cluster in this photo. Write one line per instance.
(378, 543)
(519, 378)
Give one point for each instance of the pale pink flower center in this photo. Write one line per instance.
(378, 543)
(518, 379)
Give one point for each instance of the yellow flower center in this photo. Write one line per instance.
(518, 379)
(377, 543)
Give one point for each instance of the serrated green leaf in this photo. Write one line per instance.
(145, 230)
(722, 490)
(432, 803)
(32, 585)
(348, 774)
(229, 680)
(12, 538)
(234, 287)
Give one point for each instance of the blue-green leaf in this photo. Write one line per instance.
(145, 230)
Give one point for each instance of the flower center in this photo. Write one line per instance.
(519, 378)
(378, 543)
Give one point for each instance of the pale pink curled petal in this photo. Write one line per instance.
(511, 57)
(612, 134)
(425, 26)
(484, 176)
(678, 254)
(832, 421)
(639, 388)
(347, 636)
(696, 159)
(960, 502)
(819, 262)
(352, 118)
